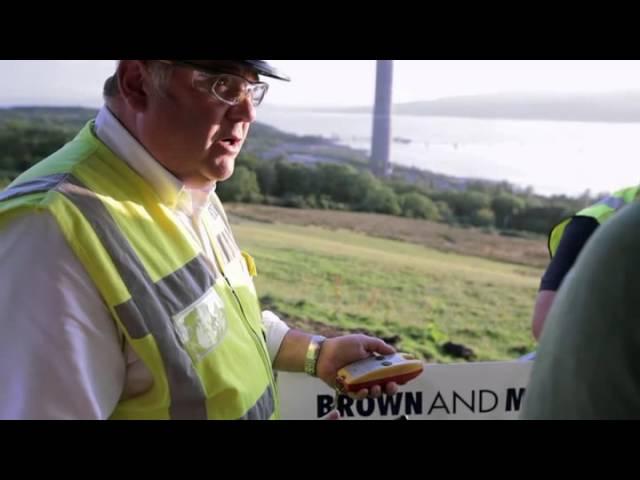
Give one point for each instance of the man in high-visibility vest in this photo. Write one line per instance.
(124, 293)
(566, 241)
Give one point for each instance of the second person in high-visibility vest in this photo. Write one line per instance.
(566, 241)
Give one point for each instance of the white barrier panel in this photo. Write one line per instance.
(465, 391)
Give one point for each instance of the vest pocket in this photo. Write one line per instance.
(202, 326)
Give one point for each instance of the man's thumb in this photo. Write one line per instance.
(378, 346)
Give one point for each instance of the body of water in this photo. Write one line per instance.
(552, 157)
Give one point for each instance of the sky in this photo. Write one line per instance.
(345, 83)
(327, 83)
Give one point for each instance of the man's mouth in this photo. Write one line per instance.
(231, 141)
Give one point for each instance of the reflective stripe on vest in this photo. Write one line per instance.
(37, 185)
(615, 203)
(152, 305)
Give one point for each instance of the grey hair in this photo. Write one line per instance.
(160, 77)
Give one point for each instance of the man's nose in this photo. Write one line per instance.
(243, 111)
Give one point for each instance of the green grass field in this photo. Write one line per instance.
(343, 281)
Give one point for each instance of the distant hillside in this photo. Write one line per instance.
(602, 107)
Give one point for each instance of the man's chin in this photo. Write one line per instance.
(221, 174)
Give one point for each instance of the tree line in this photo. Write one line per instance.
(345, 187)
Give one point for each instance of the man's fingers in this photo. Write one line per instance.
(376, 345)
(361, 394)
(332, 415)
(375, 391)
(391, 388)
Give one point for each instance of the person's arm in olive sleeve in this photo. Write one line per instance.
(587, 365)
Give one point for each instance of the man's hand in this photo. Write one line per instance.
(339, 352)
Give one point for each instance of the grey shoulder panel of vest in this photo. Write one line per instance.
(37, 185)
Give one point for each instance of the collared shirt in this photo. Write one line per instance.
(61, 356)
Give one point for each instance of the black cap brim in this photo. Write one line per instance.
(263, 68)
(259, 66)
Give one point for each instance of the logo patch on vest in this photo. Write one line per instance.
(202, 326)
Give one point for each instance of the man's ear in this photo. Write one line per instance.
(133, 81)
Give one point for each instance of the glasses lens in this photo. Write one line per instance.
(258, 93)
(230, 88)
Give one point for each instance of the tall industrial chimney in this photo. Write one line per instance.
(381, 140)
